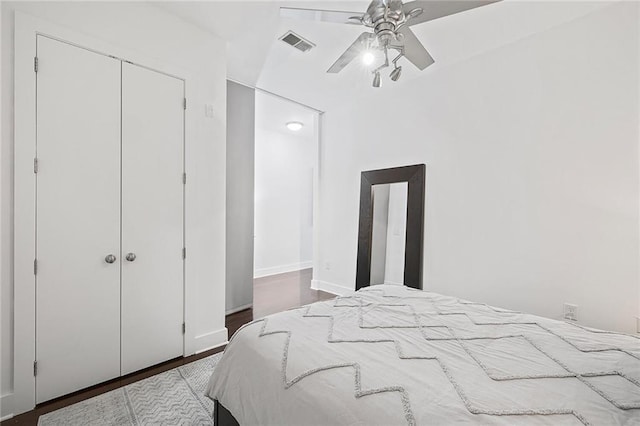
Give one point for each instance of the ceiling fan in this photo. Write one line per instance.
(391, 22)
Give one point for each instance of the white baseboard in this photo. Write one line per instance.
(238, 309)
(6, 407)
(273, 270)
(205, 342)
(392, 283)
(331, 288)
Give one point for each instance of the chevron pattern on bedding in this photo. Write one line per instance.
(443, 358)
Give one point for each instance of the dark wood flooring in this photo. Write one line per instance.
(271, 294)
(277, 293)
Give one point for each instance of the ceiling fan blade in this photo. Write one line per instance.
(333, 16)
(437, 9)
(414, 51)
(352, 52)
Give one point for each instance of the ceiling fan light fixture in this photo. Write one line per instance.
(368, 57)
(395, 74)
(388, 26)
(376, 79)
(295, 126)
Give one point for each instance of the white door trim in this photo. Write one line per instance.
(26, 29)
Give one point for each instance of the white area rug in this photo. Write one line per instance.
(175, 397)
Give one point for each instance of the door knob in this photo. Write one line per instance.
(110, 258)
(130, 257)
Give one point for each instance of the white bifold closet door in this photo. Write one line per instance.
(109, 282)
(152, 224)
(78, 219)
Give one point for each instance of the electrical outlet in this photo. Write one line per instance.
(570, 312)
(208, 110)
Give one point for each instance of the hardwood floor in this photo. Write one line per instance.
(271, 294)
(277, 293)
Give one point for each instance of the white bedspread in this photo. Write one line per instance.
(391, 355)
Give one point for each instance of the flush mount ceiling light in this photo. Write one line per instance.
(294, 126)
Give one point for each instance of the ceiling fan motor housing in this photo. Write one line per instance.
(386, 32)
(385, 18)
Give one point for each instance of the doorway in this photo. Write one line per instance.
(286, 159)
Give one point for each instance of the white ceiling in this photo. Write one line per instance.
(256, 57)
(273, 113)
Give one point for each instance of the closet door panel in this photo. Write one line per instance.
(78, 219)
(152, 217)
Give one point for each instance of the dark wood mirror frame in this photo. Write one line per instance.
(415, 177)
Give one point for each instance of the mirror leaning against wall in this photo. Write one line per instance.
(389, 230)
(390, 234)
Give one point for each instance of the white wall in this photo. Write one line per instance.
(284, 166)
(532, 171)
(158, 35)
(241, 102)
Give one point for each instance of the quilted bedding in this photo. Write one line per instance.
(392, 355)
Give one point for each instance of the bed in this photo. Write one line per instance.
(393, 355)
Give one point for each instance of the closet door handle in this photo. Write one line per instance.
(110, 258)
(130, 257)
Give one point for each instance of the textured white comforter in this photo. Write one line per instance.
(391, 355)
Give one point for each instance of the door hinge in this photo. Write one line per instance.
(35, 64)
(35, 165)
(184, 328)
(35, 266)
(184, 178)
(35, 368)
(184, 252)
(184, 103)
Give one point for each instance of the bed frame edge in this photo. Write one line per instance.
(222, 416)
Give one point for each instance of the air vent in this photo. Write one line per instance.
(296, 41)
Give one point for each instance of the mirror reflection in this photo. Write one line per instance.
(388, 233)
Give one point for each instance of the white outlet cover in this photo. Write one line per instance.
(570, 311)
(208, 110)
